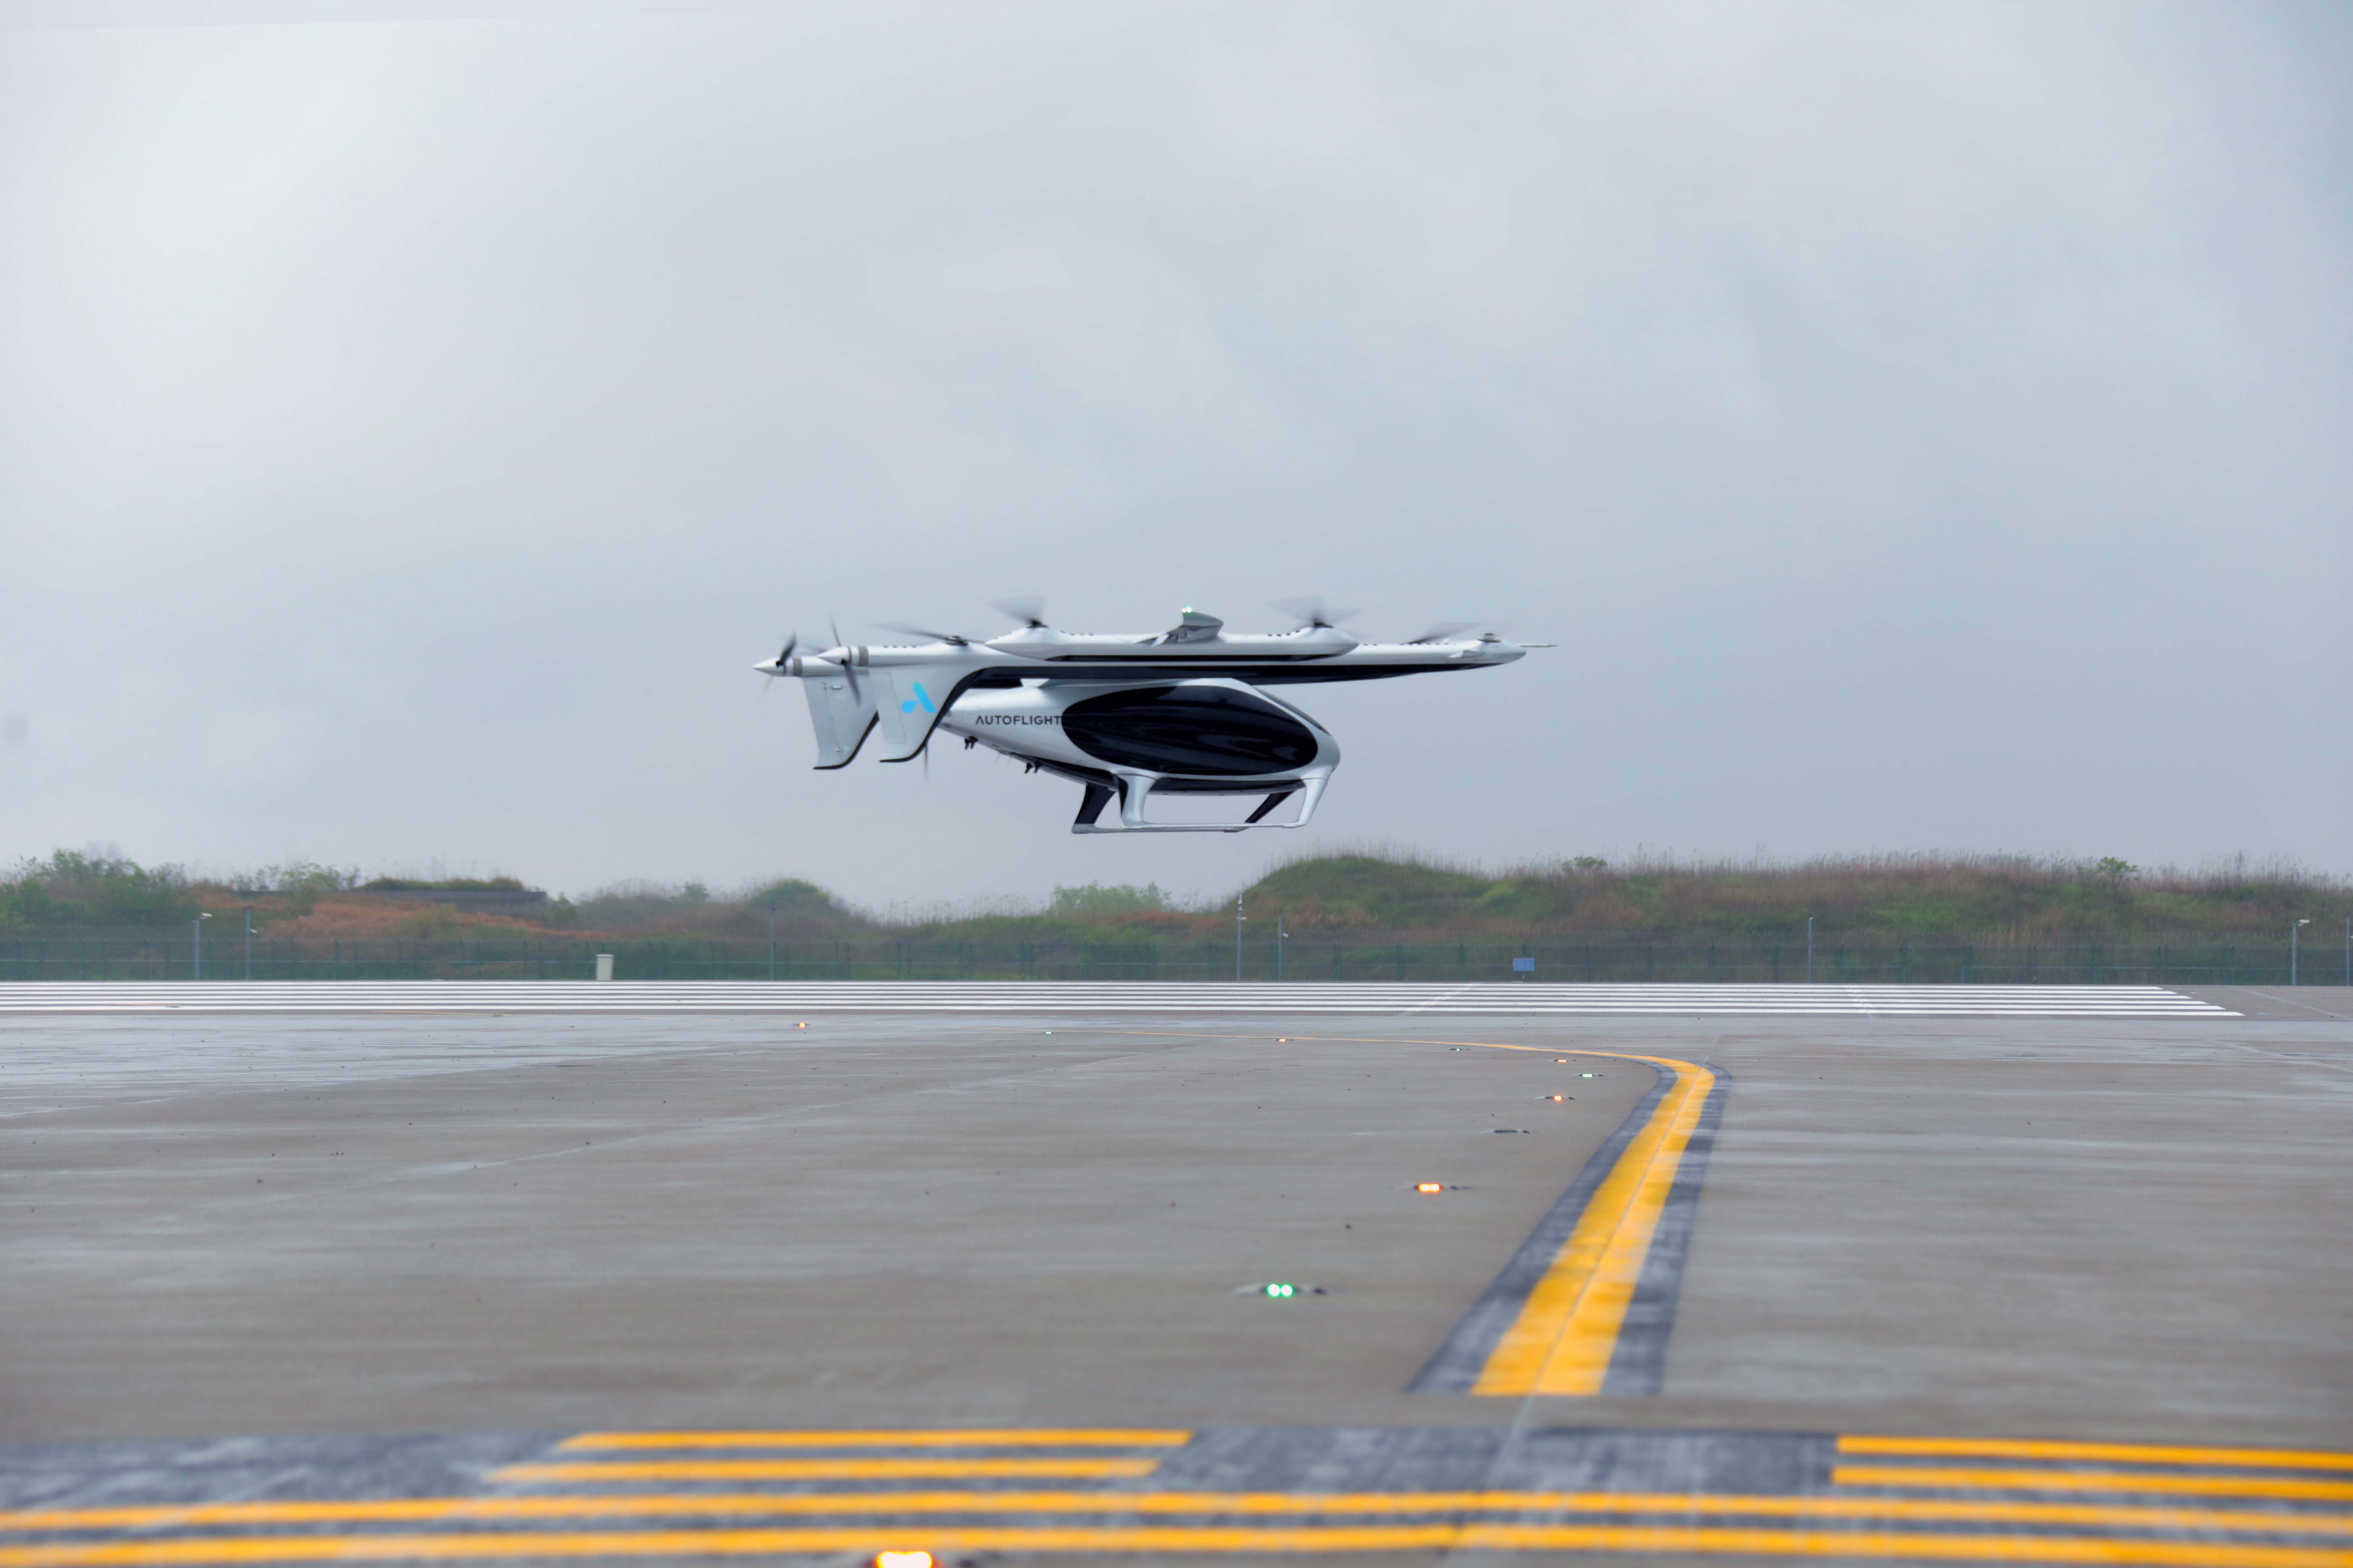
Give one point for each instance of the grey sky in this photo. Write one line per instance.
(1920, 426)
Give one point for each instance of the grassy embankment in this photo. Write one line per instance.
(1989, 899)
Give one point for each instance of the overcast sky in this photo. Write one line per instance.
(1921, 426)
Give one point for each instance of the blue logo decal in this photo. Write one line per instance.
(922, 696)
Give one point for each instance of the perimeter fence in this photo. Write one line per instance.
(2181, 960)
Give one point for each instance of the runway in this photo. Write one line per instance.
(1030, 997)
(993, 1284)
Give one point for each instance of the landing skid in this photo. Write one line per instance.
(1133, 789)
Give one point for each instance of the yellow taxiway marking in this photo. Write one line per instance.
(1882, 1544)
(1568, 1329)
(688, 1504)
(1891, 1544)
(1922, 1476)
(816, 1469)
(1066, 1437)
(2119, 1453)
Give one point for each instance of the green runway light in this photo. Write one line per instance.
(1279, 1291)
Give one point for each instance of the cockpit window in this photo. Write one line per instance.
(1208, 731)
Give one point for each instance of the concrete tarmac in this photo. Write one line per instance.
(2122, 1230)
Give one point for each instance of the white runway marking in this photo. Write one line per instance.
(478, 996)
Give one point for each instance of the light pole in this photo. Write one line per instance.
(2292, 932)
(772, 942)
(1238, 917)
(248, 942)
(1809, 950)
(198, 960)
(1279, 934)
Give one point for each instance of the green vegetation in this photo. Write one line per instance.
(1984, 897)
(1100, 899)
(303, 883)
(1354, 898)
(96, 888)
(1360, 890)
(791, 896)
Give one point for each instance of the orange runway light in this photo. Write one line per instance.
(1552, 1096)
(1429, 1187)
(903, 1559)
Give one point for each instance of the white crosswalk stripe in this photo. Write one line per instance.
(482, 996)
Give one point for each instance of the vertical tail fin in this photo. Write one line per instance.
(842, 715)
(913, 699)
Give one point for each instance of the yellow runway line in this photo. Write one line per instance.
(415, 1511)
(1568, 1329)
(1884, 1545)
(2119, 1453)
(1894, 1545)
(818, 1469)
(1943, 1480)
(714, 1542)
(1038, 1438)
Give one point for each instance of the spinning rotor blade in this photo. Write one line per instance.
(1311, 612)
(848, 668)
(951, 639)
(792, 641)
(1440, 631)
(1028, 609)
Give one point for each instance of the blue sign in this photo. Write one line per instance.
(1524, 966)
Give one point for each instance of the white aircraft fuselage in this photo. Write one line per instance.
(1123, 716)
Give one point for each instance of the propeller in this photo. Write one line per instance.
(1027, 608)
(848, 666)
(1440, 631)
(1312, 612)
(792, 641)
(952, 638)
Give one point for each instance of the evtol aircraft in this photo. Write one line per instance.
(1124, 717)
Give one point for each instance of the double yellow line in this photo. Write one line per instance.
(2166, 1472)
(1882, 1545)
(1310, 1506)
(1566, 1333)
(1839, 1525)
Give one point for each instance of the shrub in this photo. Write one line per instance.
(1107, 898)
(95, 888)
